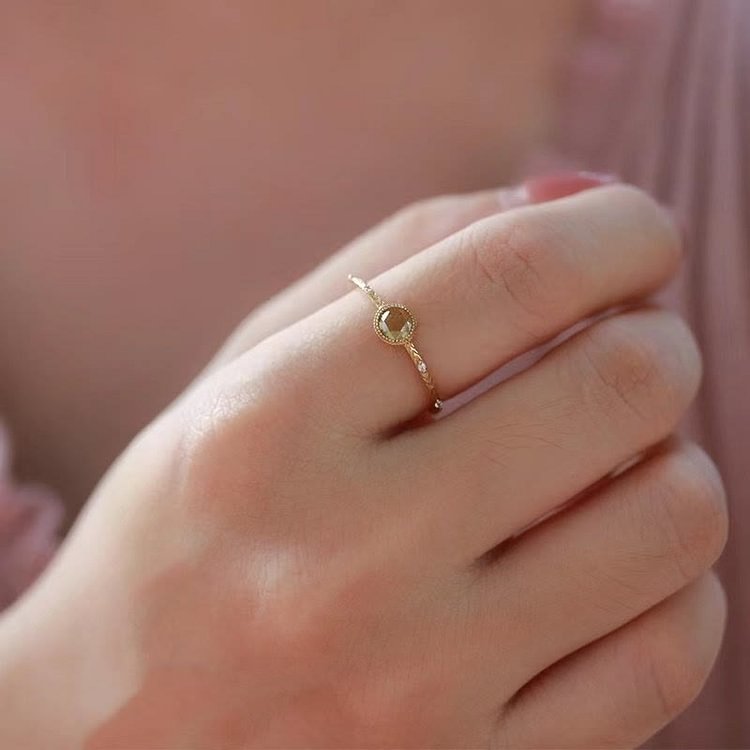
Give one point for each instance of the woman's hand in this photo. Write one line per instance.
(287, 558)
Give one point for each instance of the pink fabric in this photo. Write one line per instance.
(659, 94)
(30, 518)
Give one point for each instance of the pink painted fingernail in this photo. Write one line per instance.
(549, 187)
(561, 184)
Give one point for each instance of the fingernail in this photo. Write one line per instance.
(561, 184)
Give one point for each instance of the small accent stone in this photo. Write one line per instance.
(422, 367)
(395, 324)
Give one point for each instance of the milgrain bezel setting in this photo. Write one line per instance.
(402, 340)
(381, 306)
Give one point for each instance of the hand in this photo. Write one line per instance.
(277, 561)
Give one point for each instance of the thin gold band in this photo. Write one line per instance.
(395, 324)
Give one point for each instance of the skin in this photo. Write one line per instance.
(291, 555)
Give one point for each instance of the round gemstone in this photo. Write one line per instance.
(395, 324)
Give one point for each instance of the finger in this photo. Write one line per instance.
(594, 567)
(388, 243)
(621, 690)
(535, 441)
(408, 231)
(488, 293)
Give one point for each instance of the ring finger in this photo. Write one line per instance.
(408, 231)
(486, 294)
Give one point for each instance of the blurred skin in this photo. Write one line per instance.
(166, 165)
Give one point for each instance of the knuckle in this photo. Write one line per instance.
(523, 257)
(213, 424)
(650, 371)
(216, 422)
(672, 684)
(688, 507)
(670, 664)
(623, 368)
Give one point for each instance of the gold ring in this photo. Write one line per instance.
(395, 324)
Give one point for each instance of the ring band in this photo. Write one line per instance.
(395, 324)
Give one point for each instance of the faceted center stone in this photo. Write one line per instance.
(395, 324)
